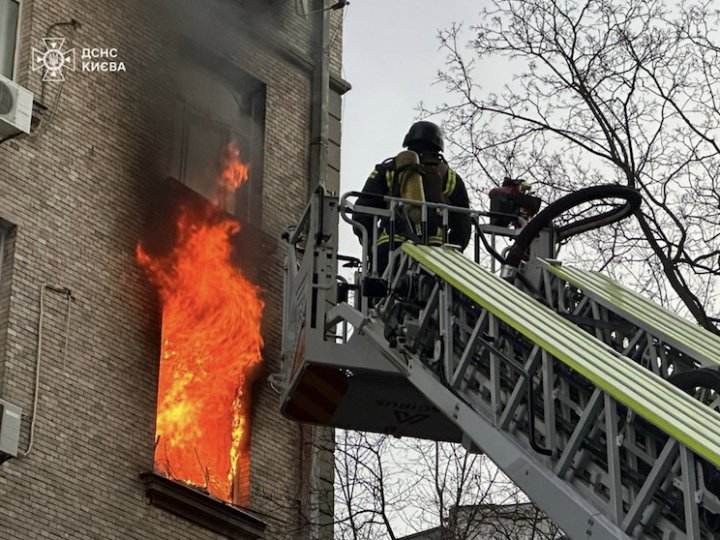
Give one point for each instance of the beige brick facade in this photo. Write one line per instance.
(76, 191)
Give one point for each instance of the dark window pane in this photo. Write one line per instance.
(203, 150)
(214, 113)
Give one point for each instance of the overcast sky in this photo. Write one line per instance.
(391, 58)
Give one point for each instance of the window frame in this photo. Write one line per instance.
(5, 229)
(18, 36)
(246, 203)
(191, 115)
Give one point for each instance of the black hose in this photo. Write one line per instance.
(688, 381)
(492, 251)
(531, 415)
(555, 209)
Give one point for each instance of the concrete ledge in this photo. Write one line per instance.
(202, 509)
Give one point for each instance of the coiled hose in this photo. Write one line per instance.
(553, 210)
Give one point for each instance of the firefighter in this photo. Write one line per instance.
(512, 201)
(420, 173)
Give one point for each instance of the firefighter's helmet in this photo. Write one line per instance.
(424, 136)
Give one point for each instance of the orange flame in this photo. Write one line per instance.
(235, 172)
(211, 341)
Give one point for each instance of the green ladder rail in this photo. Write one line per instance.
(673, 411)
(617, 302)
(658, 440)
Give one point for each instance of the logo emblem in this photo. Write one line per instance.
(53, 59)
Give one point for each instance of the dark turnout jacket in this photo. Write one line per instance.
(441, 185)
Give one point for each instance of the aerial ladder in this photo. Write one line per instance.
(599, 404)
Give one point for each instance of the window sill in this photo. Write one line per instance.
(204, 510)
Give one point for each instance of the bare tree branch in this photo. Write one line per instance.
(610, 91)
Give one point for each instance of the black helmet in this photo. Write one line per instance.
(423, 136)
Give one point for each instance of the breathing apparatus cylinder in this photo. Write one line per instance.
(407, 165)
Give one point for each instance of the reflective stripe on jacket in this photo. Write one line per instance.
(448, 189)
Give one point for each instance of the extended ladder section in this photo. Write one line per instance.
(660, 339)
(624, 438)
(596, 438)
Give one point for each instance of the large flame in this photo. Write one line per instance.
(211, 341)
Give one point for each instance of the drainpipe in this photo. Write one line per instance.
(322, 439)
(320, 98)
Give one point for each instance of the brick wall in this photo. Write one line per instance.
(76, 192)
